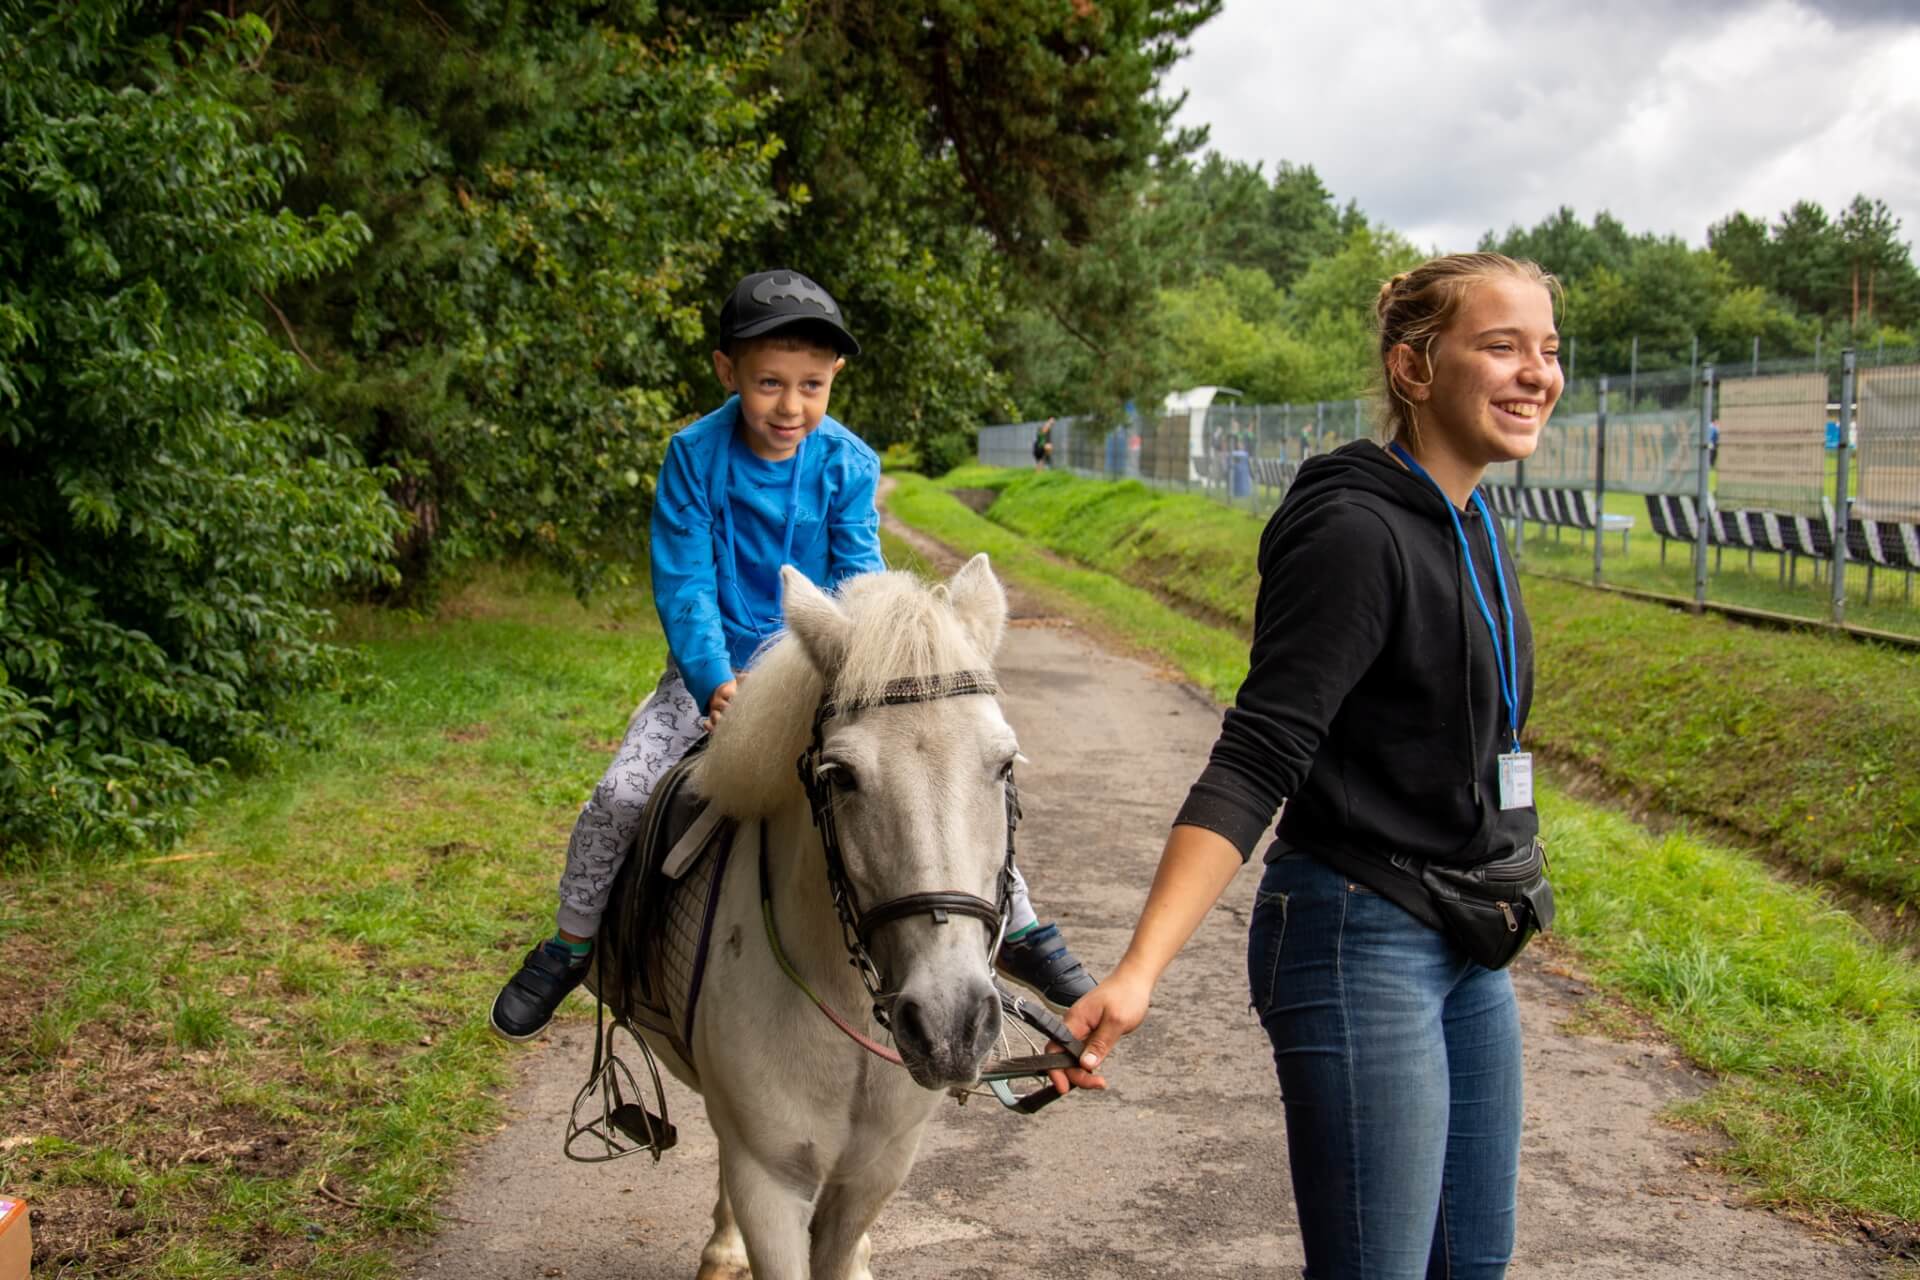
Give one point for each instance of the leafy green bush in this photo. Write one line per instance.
(165, 529)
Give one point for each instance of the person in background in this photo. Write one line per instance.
(1043, 446)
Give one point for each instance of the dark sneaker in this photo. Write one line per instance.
(1041, 962)
(525, 1005)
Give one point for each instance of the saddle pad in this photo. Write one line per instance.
(652, 935)
(677, 954)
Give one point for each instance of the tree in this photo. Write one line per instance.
(1878, 265)
(1807, 268)
(1743, 244)
(1020, 144)
(1276, 227)
(170, 517)
(553, 191)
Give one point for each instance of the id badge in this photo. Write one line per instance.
(1516, 780)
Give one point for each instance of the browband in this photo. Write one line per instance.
(955, 684)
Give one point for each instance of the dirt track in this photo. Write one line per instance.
(1180, 1169)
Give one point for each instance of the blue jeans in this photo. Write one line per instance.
(1399, 1063)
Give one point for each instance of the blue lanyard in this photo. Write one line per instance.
(1506, 665)
(732, 566)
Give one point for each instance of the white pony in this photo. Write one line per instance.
(815, 1131)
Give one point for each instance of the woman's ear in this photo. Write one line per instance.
(1410, 380)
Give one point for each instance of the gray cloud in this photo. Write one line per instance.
(1447, 119)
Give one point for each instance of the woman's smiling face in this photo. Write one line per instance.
(1495, 374)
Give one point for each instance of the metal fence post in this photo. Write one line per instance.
(1703, 515)
(1600, 482)
(1519, 508)
(1840, 513)
(1756, 355)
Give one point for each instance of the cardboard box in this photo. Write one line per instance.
(16, 1239)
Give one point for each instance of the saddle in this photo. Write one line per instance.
(649, 957)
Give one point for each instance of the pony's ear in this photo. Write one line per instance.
(816, 619)
(981, 602)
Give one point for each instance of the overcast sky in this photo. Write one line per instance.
(1445, 118)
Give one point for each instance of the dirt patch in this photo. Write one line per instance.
(29, 982)
(119, 1086)
(470, 733)
(976, 500)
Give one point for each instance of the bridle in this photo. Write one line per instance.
(858, 924)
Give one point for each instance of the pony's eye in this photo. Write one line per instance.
(839, 775)
(1006, 767)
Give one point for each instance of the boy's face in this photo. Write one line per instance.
(783, 389)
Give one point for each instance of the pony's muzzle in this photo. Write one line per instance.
(945, 1035)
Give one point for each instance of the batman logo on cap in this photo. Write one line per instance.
(798, 288)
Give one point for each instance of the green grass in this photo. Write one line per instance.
(1215, 660)
(1192, 550)
(1808, 744)
(1812, 1027)
(1803, 742)
(319, 979)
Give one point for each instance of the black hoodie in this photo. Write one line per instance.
(1371, 704)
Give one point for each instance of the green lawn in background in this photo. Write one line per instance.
(1215, 660)
(1734, 578)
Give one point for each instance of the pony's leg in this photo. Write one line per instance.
(725, 1257)
(841, 1246)
(773, 1219)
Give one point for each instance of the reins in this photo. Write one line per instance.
(793, 975)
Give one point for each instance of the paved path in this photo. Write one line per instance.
(1180, 1170)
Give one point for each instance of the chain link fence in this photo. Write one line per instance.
(1789, 487)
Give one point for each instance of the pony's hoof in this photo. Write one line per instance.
(723, 1264)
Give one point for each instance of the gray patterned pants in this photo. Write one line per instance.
(661, 731)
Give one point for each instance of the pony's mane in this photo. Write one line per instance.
(900, 627)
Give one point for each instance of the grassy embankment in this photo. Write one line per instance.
(1756, 580)
(263, 1051)
(1802, 743)
(1813, 1027)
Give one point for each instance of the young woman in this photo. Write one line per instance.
(1391, 672)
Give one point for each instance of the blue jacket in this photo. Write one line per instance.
(719, 606)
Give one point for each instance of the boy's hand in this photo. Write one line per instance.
(718, 703)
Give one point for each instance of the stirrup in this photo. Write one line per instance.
(621, 1127)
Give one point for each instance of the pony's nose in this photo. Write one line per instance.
(947, 1037)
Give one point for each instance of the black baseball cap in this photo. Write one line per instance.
(769, 301)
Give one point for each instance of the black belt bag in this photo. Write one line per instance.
(1492, 910)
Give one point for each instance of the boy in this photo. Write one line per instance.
(765, 480)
